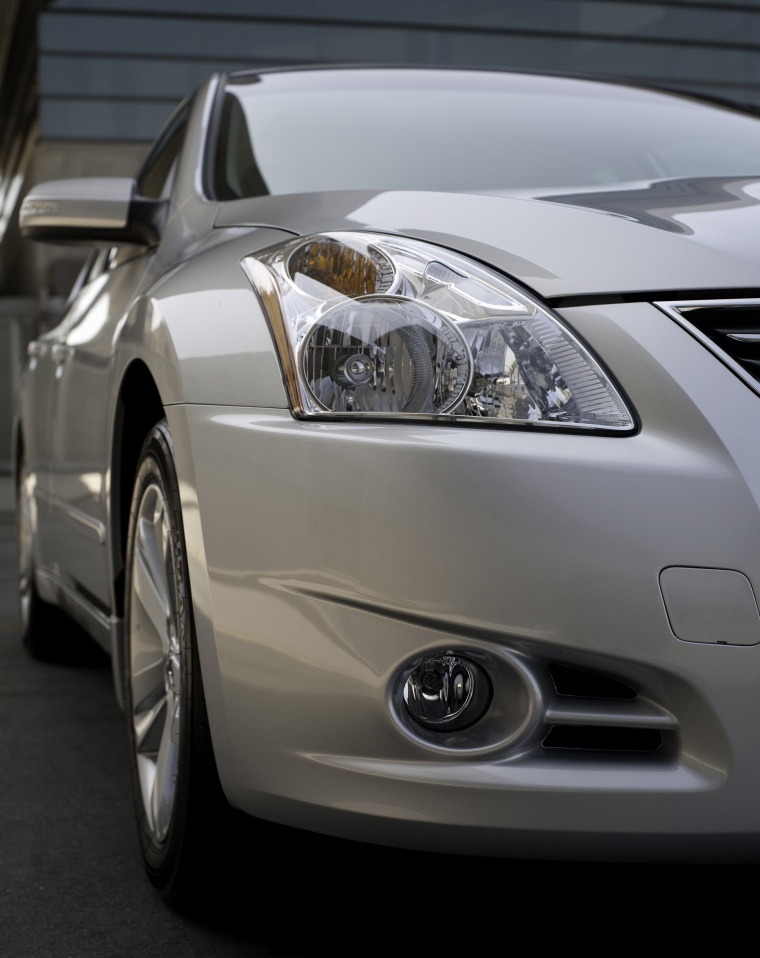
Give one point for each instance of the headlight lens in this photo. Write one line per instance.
(376, 326)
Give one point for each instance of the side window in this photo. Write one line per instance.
(236, 172)
(156, 176)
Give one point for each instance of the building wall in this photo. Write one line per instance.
(114, 69)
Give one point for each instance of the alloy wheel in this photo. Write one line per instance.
(155, 661)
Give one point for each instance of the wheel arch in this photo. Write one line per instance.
(138, 408)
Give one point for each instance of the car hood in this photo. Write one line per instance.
(660, 237)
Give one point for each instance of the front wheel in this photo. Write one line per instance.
(178, 798)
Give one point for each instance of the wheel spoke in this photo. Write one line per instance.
(154, 660)
(165, 781)
(148, 680)
(152, 533)
(149, 724)
(146, 770)
(150, 584)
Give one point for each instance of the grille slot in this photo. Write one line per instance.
(599, 738)
(731, 328)
(569, 680)
(595, 712)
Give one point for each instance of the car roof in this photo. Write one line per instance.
(498, 75)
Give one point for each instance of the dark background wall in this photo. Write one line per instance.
(112, 69)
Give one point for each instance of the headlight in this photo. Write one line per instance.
(376, 326)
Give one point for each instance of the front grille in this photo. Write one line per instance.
(731, 328)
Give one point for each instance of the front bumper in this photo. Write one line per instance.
(325, 558)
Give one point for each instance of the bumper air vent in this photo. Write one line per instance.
(569, 680)
(594, 712)
(594, 738)
(730, 328)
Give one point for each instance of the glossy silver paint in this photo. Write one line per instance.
(90, 203)
(554, 248)
(326, 558)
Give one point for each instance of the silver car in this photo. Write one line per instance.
(401, 444)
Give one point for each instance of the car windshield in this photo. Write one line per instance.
(466, 131)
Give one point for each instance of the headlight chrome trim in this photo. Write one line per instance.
(466, 347)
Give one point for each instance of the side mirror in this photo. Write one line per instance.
(93, 211)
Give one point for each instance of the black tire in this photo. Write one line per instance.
(178, 799)
(40, 623)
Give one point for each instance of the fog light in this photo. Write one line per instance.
(446, 692)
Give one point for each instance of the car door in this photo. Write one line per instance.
(42, 370)
(83, 361)
(82, 400)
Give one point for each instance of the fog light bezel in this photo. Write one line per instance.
(513, 722)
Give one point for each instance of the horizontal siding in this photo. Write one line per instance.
(133, 57)
(105, 119)
(615, 15)
(109, 77)
(713, 24)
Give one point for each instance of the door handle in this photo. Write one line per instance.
(61, 353)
